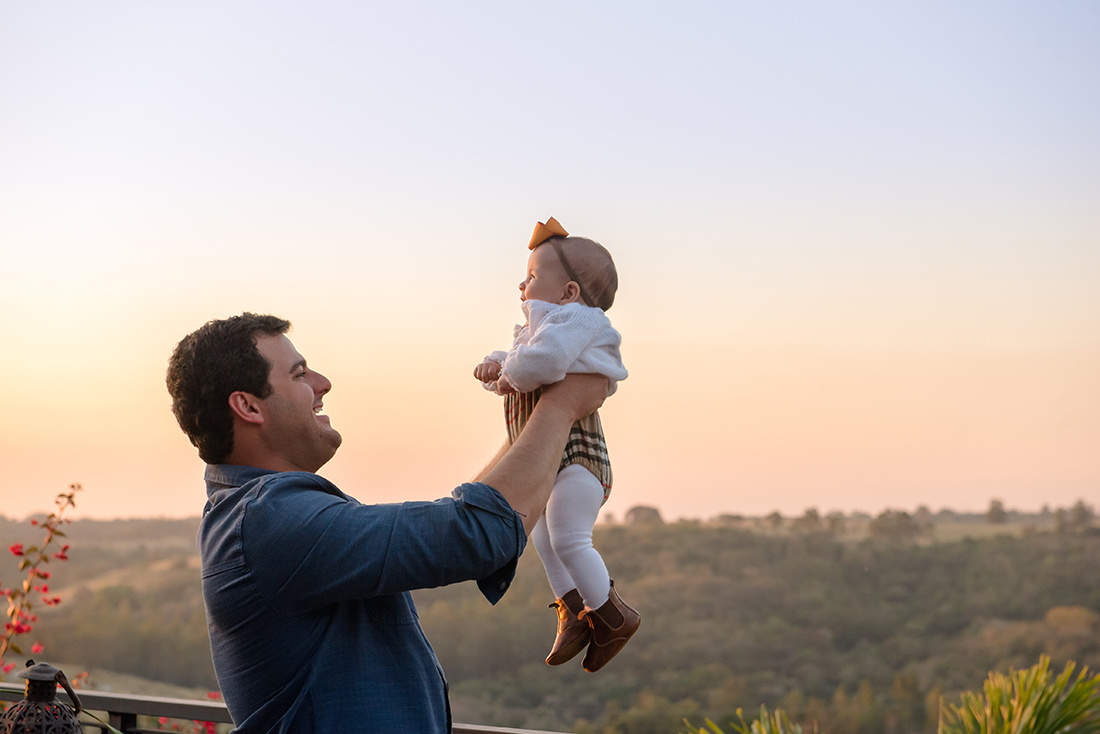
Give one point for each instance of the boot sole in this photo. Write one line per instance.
(621, 645)
(569, 652)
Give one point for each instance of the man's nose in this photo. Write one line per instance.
(321, 383)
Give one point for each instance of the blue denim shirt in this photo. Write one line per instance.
(312, 628)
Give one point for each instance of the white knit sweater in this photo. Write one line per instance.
(557, 340)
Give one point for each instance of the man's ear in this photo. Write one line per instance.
(571, 293)
(246, 407)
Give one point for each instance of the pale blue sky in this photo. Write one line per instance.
(870, 223)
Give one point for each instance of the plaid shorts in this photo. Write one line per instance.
(586, 445)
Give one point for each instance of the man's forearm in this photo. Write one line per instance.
(524, 475)
(492, 462)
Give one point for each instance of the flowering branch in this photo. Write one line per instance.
(21, 619)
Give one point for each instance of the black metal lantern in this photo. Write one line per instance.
(40, 712)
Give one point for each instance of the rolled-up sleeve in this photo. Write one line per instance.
(483, 498)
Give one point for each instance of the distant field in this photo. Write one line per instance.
(950, 532)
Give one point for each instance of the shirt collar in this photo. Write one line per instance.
(225, 476)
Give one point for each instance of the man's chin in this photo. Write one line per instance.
(333, 439)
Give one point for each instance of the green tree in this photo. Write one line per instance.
(809, 522)
(996, 514)
(894, 525)
(1080, 516)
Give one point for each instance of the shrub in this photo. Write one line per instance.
(1028, 701)
(775, 722)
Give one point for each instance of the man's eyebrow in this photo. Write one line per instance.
(299, 365)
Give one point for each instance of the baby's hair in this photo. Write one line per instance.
(595, 268)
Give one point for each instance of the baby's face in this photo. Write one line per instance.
(546, 278)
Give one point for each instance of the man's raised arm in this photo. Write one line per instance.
(524, 474)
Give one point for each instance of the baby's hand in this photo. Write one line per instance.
(487, 371)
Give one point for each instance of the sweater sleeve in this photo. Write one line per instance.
(499, 358)
(557, 339)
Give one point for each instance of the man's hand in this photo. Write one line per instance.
(579, 394)
(524, 473)
(487, 371)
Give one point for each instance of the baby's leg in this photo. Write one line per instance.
(570, 515)
(560, 580)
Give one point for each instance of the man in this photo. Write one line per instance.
(312, 628)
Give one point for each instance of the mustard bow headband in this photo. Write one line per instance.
(549, 231)
(544, 232)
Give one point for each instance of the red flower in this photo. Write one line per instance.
(214, 695)
(34, 522)
(16, 548)
(36, 648)
(9, 667)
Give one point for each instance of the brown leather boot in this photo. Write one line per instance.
(573, 632)
(612, 625)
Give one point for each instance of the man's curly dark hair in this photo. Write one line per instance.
(208, 366)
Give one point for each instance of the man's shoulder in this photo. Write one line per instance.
(297, 487)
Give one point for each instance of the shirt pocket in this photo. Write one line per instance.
(393, 609)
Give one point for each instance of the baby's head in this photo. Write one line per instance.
(560, 260)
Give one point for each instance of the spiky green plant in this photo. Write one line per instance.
(775, 722)
(1028, 701)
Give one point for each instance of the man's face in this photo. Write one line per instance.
(294, 427)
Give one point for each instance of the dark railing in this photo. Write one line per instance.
(122, 710)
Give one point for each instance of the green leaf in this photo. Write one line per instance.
(1028, 701)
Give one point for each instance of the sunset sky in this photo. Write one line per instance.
(858, 243)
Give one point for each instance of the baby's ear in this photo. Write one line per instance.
(571, 294)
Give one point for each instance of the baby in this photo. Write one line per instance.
(570, 283)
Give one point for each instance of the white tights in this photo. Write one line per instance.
(563, 537)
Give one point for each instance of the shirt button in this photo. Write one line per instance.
(503, 585)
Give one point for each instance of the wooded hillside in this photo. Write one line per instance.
(863, 636)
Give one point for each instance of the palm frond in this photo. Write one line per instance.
(1030, 701)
